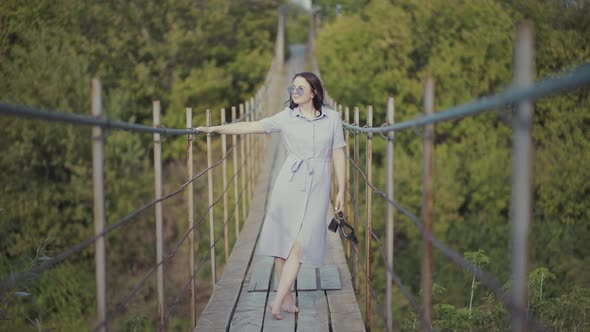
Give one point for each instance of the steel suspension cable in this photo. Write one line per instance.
(84, 120)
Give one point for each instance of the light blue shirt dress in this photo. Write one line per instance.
(301, 194)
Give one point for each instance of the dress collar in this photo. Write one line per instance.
(296, 112)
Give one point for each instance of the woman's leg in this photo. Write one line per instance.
(288, 302)
(289, 273)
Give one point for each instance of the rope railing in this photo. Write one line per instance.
(520, 95)
(83, 120)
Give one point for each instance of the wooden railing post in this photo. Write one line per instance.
(251, 156)
(390, 221)
(224, 180)
(211, 214)
(243, 167)
(280, 44)
(355, 266)
(522, 151)
(159, 213)
(369, 192)
(427, 205)
(235, 158)
(255, 145)
(334, 180)
(191, 216)
(347, 199)
(248, 159)
(99, 211)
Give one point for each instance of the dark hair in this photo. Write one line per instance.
(316, 87)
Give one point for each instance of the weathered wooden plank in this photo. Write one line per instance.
(307, 278)
(261, 273)
(273, 325)
(345, 315)
(219, 309)
(249, 313)
(313, 312)
(330, 277)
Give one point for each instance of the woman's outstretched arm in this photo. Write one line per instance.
(238, 128)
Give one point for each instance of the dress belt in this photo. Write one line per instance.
(296, 166)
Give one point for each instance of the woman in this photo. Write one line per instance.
(294, 230)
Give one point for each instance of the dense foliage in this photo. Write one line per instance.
(383, 48)
(202, 54)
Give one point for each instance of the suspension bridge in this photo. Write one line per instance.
(326, 296)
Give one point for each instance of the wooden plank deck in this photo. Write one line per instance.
(325, 296)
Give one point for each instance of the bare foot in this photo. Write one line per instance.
(275, 313)
(288, 304)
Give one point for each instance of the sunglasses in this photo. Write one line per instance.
(300, 91)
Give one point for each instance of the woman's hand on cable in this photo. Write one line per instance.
(339, 202)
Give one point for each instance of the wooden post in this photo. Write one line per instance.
(522, 150)
(236, 162)
(369, 192)
(251, 158)
(159, 213)
(347, 172)
(280, 51)
(211, 214)
(191, 215)
(224, 179)
(243, 166)
(247, 159)
(255, 159)
(390, 211)
(355, 266)
(99, 212)
(427, 205)
(335, 180)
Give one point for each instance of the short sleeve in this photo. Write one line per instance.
(272, 123)
(338, 141)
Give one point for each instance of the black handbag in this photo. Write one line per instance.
(346, 230)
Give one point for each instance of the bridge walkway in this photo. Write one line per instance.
(324, 295)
